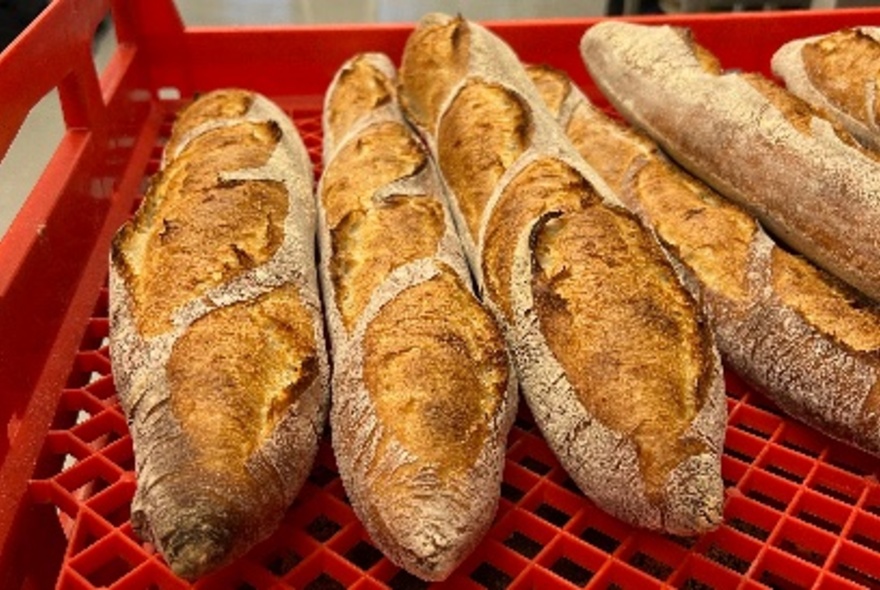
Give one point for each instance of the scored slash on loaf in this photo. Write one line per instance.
(216, 333)
(808, 341)
(423, 395)
(807, 180)
(615, 358)
(839, 75)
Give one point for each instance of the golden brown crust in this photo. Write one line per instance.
(798, 112)
(234, 373)
(371, 237)
(751, 141)
(807, 340)
(200, 231)
(438, 60)
(370, 244)
(362, 89)
(704, 232)
(710, 236)
(218, 105)
(854, 53)
(553, 85)
(826, 303)
(513, 175)
(423, 394)
(614, 169)
(462, 368)
(623, 328)
(216, 337)
(707, 60)
(544, 185)
(484, 130)
(383, 153)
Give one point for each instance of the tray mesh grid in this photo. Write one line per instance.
(801, 510)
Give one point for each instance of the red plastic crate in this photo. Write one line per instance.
(801, 510)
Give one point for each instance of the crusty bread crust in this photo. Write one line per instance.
(540, 244)
(808, 341)
(225, 389)
(839, 75)
(423, 397)
(750, 141)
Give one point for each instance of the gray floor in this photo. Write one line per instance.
(43, 128)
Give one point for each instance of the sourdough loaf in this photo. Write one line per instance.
(808, 341)
(423, 396)
(807, 180)
(216, 336)
(837, 74)
(614, 357)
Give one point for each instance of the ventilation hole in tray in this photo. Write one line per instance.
(804, 553)
(574, 573)
(281, 563)
(729, 483)
(867, 541)
(363, 555)
(325, 582)
(108, 573)
(245, 586)
(597, 538)
(651, 566)
(552, 514)
(126, 463)
(692, 584)
(728, 560)
(84, 536)
(321, 475)
(510, 492)
(834, 493)
(781, 472)
(686, 542)
(800, 447)
(748, 528)
(852, 460)
(778, 581)
(752, 430)
(523, 545)
(533, 464)
(491, 577)
(857, 576)
(524, 423)
(322, 528)
(119, 515)
(90, 487)
(819, 521)
(765, 499)
(737, 455)
(403, 580)
(569, 485)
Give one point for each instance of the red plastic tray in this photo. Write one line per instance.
(801, 510)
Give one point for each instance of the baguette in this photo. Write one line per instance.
(614, 357)
(805, 179)
(423, 396)
(808, 341)
(216, 332)
(837, 74)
